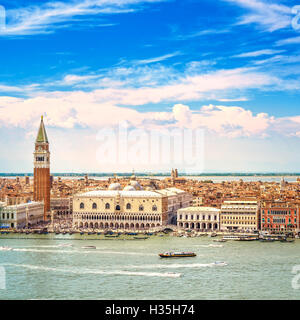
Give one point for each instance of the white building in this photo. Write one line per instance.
(177, 199)
(130, 209)
(200, 218)
(21, 215)
(240, 215)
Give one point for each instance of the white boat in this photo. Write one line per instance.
(5, 248)
(88, 247)
(232, 237)
(220, 263)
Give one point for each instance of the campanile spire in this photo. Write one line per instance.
(42, 169)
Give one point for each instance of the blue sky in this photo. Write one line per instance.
(228, 67)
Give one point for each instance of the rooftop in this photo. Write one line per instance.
(122, 193)
(199, 209)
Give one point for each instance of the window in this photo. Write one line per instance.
(118, 208)
(81, 205)
(154, 208)
(128, 206)
(94, 205)
(141, 208)
(107, 206)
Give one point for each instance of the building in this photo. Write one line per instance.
(279, 216)
(240, 215)
(42, 170)
(177, 199)
(21, 215)
(197, 201)
(200, 218)
(120, 209)
(61, 206)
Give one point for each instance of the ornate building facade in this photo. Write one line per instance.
(42, 170)
(120, 209)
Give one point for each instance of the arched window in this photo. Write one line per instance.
(141, 208)
(107, 206)
(94, 205)
(118, 207)
(81, 205)
(154, 208)
(128, 206)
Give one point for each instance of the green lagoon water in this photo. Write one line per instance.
(131, 269)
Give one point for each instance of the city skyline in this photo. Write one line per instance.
(229, 68)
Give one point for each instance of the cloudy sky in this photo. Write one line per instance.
(227, 68)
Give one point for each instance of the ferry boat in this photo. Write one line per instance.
(177, 254)
(232, 237)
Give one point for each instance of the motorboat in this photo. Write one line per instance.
(88, 247)
(177, 255)
(5, 248)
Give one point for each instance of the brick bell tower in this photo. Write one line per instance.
(41, 188)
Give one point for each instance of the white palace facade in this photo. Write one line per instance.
(129, 209)
(120, 209)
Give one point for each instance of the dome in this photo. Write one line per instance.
(136, 185)
(114, 186)
(129, 188)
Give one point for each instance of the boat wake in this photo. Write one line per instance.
(81, 251)
(85, 271)
(177, 266)
(210, 245)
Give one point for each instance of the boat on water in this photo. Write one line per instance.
(141, 238)
(231, 237)
(65, 245)
(177, 255)
(88, 247)
(219, 240)
(220, 263)
(5, 248)
(112, 235)
(267, 240)
(213, 235)
(287, 240)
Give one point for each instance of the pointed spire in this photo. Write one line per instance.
(42, 135)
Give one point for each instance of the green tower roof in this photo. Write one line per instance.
(42, 135)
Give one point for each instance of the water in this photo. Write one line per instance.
(44, 269)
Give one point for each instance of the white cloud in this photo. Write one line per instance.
(53, 15)
(258, 53)
(294, 40)
(269, 15)
(157, 59)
